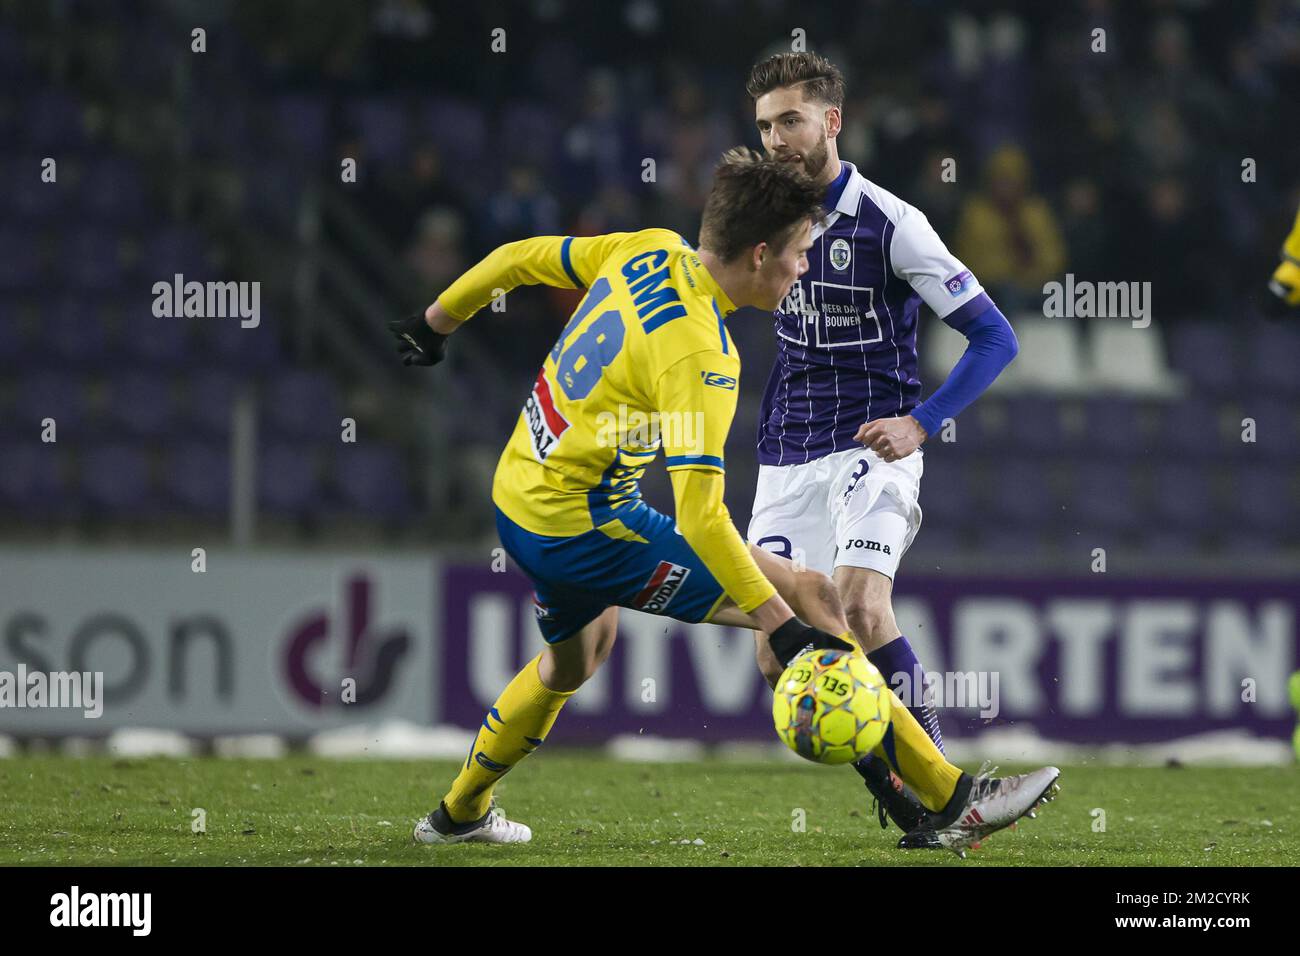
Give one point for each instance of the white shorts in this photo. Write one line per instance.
(848, 509)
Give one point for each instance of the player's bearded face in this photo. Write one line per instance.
(794, 130)
(814, 161)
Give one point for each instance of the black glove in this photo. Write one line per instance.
(416, 342)
(789, 640)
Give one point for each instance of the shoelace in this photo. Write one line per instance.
(878, 808)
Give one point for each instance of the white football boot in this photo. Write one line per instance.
(988, 804)
(438, 827)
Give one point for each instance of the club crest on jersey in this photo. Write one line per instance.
(659, 590)
(840, 254)
(545, 424)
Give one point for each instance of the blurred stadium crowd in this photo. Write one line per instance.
(1123, 165)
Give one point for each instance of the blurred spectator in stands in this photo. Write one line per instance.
(598, 146)
(914, 142)
(1168, 249)
(686, 142)
(613, 210)
(1085, 229)
(400, 48)
(1008, 235)
(408, 193)
(1173, 75)
(437, 252)
(524, 208)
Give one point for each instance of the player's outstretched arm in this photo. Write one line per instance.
(1285, 283)
(564, 262)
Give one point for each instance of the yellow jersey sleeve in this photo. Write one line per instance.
(696, 401)
(1291, 248)
(564, 262)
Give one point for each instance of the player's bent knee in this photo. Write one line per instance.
(565, 672)
(816, 591)
(870, 618)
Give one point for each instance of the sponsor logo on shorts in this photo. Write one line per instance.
(545, 424)
(542, 611)
(661, 587)
(718, 380)
(858, 544)
(959, 283)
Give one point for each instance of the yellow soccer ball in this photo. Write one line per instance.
(831, 706)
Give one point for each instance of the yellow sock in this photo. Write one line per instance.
(912, 753)
(515, 726)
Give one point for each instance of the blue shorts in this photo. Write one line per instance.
(577, 578)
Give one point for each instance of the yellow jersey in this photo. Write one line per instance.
(644, 364)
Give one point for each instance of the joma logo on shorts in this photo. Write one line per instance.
(859, 544)
(661, 587)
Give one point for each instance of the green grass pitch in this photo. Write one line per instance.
(588, 810)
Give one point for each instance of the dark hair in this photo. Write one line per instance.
(753, 200)
(820, 78)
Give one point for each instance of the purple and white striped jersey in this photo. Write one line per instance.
(846, 333)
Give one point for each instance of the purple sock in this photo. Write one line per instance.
(897, 657)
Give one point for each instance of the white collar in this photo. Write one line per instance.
(851, 197)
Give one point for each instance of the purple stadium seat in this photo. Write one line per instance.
(13, 344)
(232, 346)
(54, 119)
(174, 249)
(56, 395)
(1257, 545)
(73, 334)
(1191, 429)
(1112, 426)
(381, 124)
(197, 477)
(1183, 500)
(115, 481)
(460, 131)
(90, 259)
(28, 196)
(528, 132)
(1277, 433)
(1275, 358)
(226, 126)
(274, 195)
(140, 405)
(20, 260)
(371, 481)
(1206, 353)
(1264, 499)
(1034, 425)
(934, 546)
(211, 400)
(948, 495)
(995, 542)
(1021, 495)
(147, 339)
(12, 59)
(971, 437)
(302, 120)
(288, 479)
(301, 404)
(1105, 497)
(111, 191)
(32, 481)
(1164, 543)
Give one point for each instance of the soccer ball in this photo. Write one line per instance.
(831, 706)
